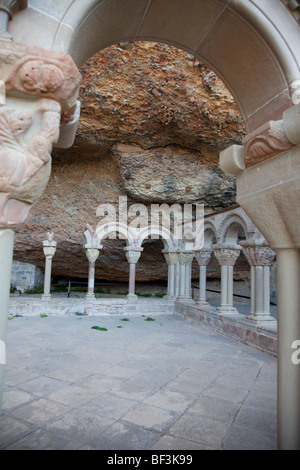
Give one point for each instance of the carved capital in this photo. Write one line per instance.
(92, 254)
(49, 251)
(186, 257)
(265, 142)
(258, 254)
(203, 257)
(35, 72)
(171, 257)
(226, 254)
(27, 133)
(133, 256)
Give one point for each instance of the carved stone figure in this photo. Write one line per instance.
(25, 159)
(265, 142)
(54, 76)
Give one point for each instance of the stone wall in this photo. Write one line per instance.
(25, 276)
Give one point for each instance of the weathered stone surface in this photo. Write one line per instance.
(172, 115)
(155, 95)
(173, 174)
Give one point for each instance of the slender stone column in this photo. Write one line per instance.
(260, 257)
(177, 278)
(203, 257)
(227, 254)
(6, 256)
(92, 255)
(39, 89)
(288, 357)
(49, 248)
(171, 259)
(132, 257)
(185, 260)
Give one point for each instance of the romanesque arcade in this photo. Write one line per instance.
(220, 239)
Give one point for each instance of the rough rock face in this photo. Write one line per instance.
(153, 121)
(156, 95)
(172, 174)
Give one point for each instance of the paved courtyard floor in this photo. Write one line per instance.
(144, 384)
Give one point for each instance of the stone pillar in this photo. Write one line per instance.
(267, 170)
(202, 256)
(288, 349)
(132, 257)
(260, 257)
(171, 259)
(92, 255)
(227, 255)
(38, 93)
(6, 256)
(49, 248)
(185, 260)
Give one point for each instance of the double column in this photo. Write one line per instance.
(132, 257)
(185, 261)
(203, 257)
(227, 255)
(260, 257)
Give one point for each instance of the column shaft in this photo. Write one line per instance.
(171, 280)
(266, 276)
(182, 280)
(288, 305)
(224, 283)
(230, 286)
(188, 277)
(132, 279)
(259, 290)
(91, 280)
(47, 278)
(202, 284)
(177, 279)
(252, 290)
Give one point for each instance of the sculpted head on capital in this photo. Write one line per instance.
(35, 76)
(34, 72)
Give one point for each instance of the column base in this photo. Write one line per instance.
(132, 297)
(229, 309)
(90, 296)
(185, 299)
(169, 297)
(202, 303)
(46, 297)
(260, 320)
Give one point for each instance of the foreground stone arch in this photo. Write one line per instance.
(253, 46)
(248, 44)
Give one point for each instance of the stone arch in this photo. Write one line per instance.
(112, 227)
(163, 233)
(210, 232)
(235, 39)
(232, 223)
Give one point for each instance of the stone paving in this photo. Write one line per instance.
(165, 384)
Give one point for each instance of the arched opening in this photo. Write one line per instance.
(122, 151)
(248, 46)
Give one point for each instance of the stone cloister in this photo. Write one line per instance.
(253, 46)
